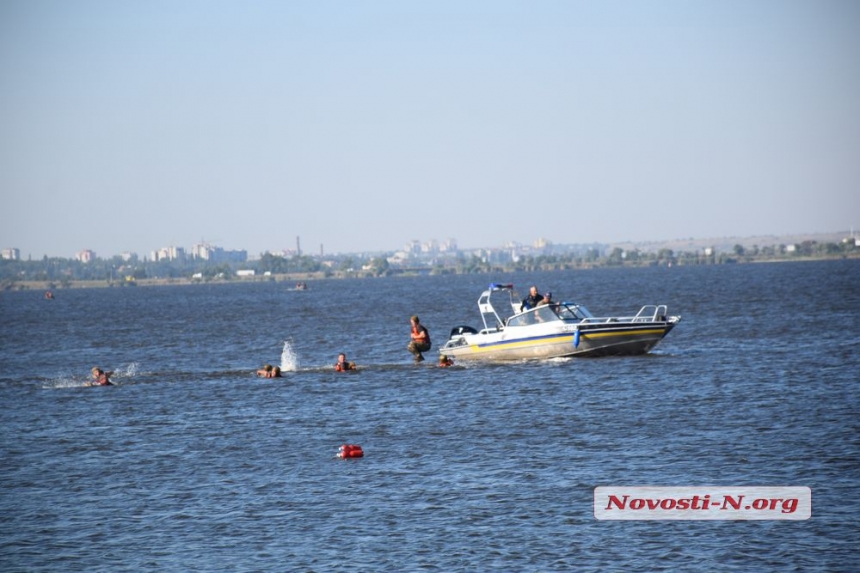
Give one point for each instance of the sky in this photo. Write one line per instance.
(361, 126)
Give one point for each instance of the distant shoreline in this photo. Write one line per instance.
(294, 278)
(182, 281)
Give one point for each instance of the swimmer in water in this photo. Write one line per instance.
(269, 371)
(100, 377)
(342, 365)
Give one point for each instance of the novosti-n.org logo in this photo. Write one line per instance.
(705, 502)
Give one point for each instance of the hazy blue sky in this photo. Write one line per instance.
(128, 126)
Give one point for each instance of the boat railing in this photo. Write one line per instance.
(648, 313)
(603, 319)
(651, 313)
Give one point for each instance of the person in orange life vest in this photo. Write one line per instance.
(342, 365)
(445, 362)
(420, 339)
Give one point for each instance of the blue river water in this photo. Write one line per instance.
(192, 463)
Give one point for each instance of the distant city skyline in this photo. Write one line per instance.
(131, 126)
(201, 249)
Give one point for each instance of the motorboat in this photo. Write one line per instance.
(553, 330)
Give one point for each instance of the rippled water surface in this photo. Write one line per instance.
(191, 463)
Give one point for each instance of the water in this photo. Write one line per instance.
(191, 463)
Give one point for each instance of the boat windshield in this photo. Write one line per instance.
(551, 312)
(539, 315)
(573, 312)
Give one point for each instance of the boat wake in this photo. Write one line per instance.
(133, 373)
(119, 374)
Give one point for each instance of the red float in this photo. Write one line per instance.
(347, 451)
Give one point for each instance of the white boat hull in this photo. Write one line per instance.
(612, 340)
(555, 330)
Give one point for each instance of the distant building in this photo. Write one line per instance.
(201, 251)
(168, 254)
(285, 253)
(86, 256)
(397, 259)
(245, 273)
(448, 246)
(207, 252)
(414, 247)
(11, 254)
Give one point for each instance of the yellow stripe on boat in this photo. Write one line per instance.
(506, 345)
(621, 333)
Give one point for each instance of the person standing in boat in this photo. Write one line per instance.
(532, 300)
(545, 314)
(420, 339)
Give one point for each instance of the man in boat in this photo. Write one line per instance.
(532, 300)
(342, 365)
(420, 339)
(545, 314)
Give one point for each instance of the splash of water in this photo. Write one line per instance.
(65, 380)
(289, 359)
(129, 371)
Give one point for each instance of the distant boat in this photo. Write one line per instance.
(555, 330)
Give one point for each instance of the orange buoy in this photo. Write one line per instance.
(347, 451)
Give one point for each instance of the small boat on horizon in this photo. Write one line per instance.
(555, 330)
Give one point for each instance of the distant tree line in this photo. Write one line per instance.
(119, 271)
